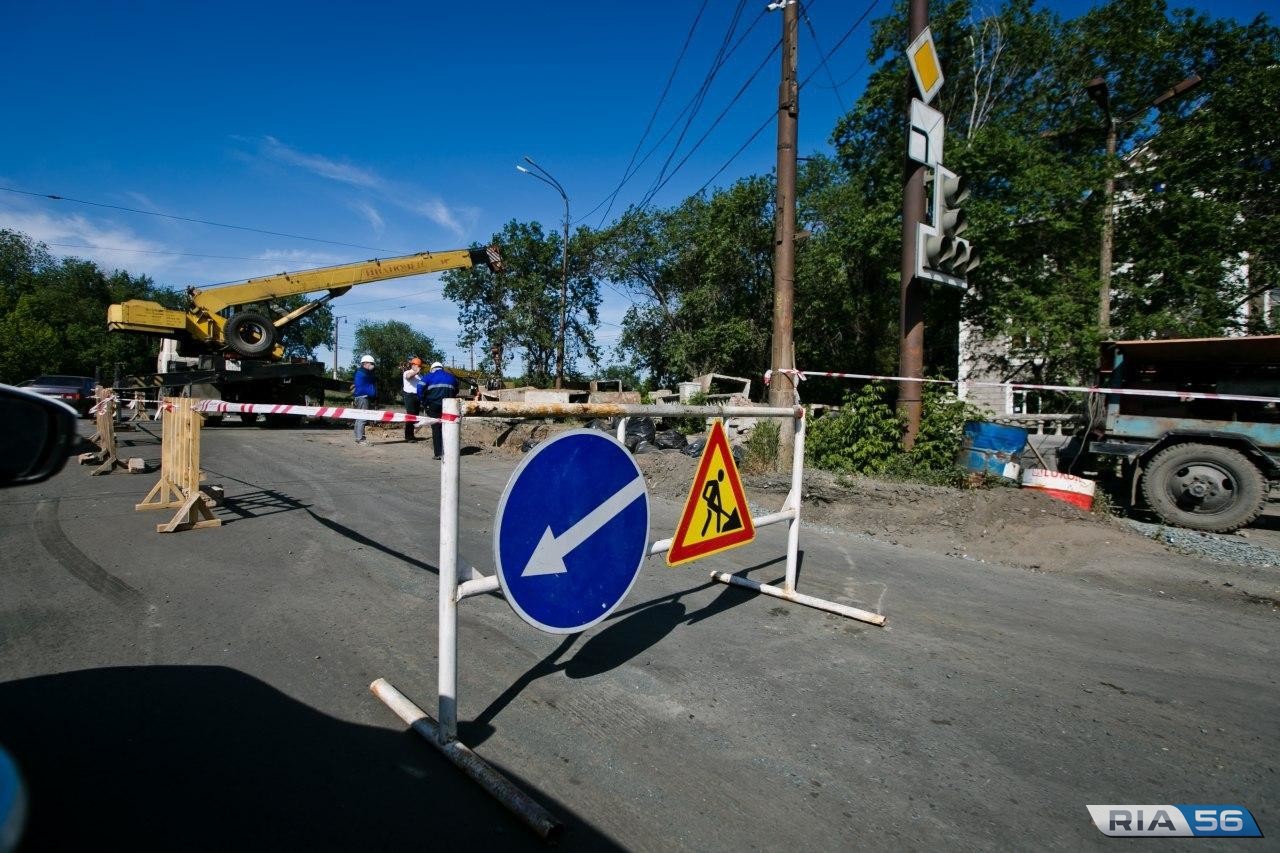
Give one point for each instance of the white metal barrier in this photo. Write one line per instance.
(461, 582)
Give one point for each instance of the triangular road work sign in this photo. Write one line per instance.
(715, 516)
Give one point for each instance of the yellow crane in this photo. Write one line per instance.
(216, 321)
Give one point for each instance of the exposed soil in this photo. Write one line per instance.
(1007, 525)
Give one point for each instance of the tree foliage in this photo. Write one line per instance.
(518, 311)
(391, 343)
(53, 315)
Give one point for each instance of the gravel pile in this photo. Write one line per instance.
(1210, 546)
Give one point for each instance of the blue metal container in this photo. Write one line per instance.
(990, 448)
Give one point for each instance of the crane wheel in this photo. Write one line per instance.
(250, 334)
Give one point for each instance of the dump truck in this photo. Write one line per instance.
(223, 345)
(1196, 455)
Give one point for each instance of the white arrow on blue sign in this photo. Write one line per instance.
(571, 531)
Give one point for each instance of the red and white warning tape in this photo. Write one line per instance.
(223, 407)
(800, 375)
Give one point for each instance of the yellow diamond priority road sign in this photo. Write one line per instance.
(925, 66)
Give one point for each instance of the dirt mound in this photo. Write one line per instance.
(1020, 527)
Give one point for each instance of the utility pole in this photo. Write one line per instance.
(911, 300)
(1100, 94)
(782, 386)
(1108, 233)
(337, 321)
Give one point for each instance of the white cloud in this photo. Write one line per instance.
(457, 220)
(371, 215)
(110, 246)
(320, 165)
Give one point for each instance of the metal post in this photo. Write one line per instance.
(911, 305)
(794, 501)
(448, 628)
(564, 295)
(782, 388)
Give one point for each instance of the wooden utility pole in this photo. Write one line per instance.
(782, 387)
(1108, 232)
(911, 305)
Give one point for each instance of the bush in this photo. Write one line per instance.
(859, 438)
(865, 436)
(762, 447)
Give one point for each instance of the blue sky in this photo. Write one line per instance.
(393, 126)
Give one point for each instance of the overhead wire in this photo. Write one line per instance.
(699, 97)
(800, 86)
(157, 252)
(654, 115)
(55, 197)
(671, 127)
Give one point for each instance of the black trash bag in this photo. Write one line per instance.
(739, 454)
(640, 428)
(644, 447)
(529, 444)
(694, 447)
(601, 424)
(669, 439)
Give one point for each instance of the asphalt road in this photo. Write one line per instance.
(209, 689)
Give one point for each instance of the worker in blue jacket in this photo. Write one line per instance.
(364, 391)
(434, 388)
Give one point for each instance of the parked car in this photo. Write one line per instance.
(75, 391)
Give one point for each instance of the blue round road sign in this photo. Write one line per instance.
(572, 531)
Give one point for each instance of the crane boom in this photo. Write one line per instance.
(211, 323)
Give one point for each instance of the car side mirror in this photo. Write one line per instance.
(36, 436)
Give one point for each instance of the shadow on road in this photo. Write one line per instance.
(357, 536)
(192, 757)
(640, 627)
(259, 504)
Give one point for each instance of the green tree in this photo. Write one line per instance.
(392, 343)
(701, 281)
(518, 311)
(53, 315)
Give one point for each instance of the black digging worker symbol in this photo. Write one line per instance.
(725, 521)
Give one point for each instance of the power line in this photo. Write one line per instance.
(55, 197)
(801, 85)
(157, 252)
(813, 33)
(699, 97)
(661, 99)
(718, 119)
(676, 121)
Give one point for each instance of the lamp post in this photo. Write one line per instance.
(337, 321)
(545, 176)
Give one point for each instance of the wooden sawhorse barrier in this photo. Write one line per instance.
(179, 484)
(107, 456)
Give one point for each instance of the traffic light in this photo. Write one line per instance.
(941, 254)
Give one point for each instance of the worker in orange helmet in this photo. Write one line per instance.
(411, 401)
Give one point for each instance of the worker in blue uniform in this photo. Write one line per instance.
(434, 388)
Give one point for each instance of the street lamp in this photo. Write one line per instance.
(545, 176)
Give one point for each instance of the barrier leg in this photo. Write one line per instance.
(788, 589)
(793, 502)
(448, 628)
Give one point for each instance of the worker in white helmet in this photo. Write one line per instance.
(363, 391)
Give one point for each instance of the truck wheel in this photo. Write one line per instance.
(249, 333)
(1204, 487)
